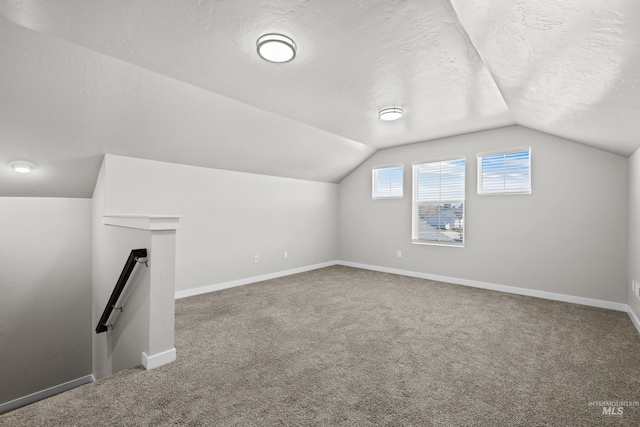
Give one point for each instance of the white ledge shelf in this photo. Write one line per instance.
(143, 222)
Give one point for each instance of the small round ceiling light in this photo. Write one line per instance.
(276, 48)
(392, 113)
(22, 166)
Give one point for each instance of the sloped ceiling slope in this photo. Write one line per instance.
(569, 68)
(180, 81)
(63, 106)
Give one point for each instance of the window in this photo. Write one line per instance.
(387, 182)
(438, 202)
(505, 173)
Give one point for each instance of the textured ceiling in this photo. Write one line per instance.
(63, 106)
(180, 81)
(569, 68)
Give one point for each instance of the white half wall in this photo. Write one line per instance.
(45, 288)
(634, 235)
(567, 237)
(159, 291)
(228, 217)
(121, 347)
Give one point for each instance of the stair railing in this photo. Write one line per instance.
(106, 321)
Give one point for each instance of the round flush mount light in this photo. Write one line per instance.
(389, 114)
(22, 166)
(276, 48)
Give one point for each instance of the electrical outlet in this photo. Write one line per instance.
(286, 255)
(257, 259)
(399, 254)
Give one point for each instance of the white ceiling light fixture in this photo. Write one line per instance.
(276, 48)
(22, 166)
(391, 113)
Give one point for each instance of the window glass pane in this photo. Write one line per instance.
(438, 202)
(387, 182)
(505, 173)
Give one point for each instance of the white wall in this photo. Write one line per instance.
(121, 347)
(567, 237)
(45, 288)
(228, 217)
(634, 231)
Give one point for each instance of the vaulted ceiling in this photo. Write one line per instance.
(180, 81)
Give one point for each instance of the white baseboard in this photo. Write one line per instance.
(43, 394)
(494, 287)
(248, 280)
(634, 318)
(156, 360)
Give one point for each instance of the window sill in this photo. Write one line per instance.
(450, 245)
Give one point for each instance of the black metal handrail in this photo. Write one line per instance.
(117, 291)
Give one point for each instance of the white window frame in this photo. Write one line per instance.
(504, 191)
(447, 236)
(374, 182)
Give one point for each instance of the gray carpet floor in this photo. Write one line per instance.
(346, 347)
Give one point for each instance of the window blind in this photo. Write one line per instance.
(505, 173)
(387, 182)
(438, 202)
